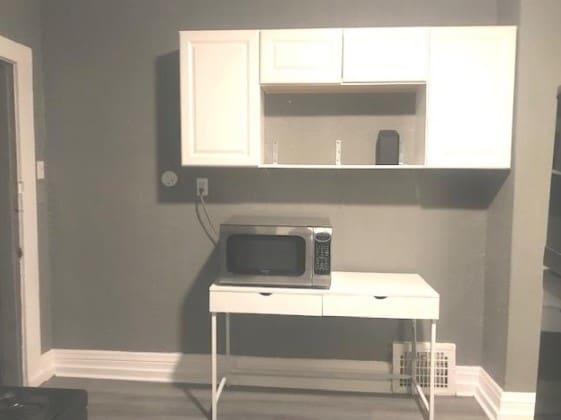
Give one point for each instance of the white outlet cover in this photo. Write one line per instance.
(169, 179)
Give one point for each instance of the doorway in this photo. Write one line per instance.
(11, 368)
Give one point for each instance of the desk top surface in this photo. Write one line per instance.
(352, 283)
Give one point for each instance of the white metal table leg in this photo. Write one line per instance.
(432, 368)
(227, 334)
(214, 393)
(414, 358)
(227, 337)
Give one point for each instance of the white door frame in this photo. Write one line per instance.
(20, 57)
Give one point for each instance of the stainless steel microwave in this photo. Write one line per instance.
(271, 251)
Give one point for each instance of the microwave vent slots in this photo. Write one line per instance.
(445, 372)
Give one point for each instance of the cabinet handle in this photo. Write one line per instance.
(380, 297)
(265, 294)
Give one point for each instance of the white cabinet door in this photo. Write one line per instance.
(470, 97)
(220, 98)
(379, 55)
(301, 56)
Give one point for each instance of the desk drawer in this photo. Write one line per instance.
(382, 307)
(265, 303)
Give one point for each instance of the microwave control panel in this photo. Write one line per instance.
(322, 257)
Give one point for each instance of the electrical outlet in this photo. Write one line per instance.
(202, 187)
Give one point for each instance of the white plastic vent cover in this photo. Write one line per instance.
(445, 372)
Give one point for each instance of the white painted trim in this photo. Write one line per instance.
(195, 368)
(517, 406)
(335, 375)
(329, 375)
(21, 58)
(467, 379)
(132, 366)
(46, 369)
(501, 405)
(488, 395)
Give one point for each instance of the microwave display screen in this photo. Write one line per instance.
(271, 255)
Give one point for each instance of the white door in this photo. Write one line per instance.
(380, 55)
(301, 56)
(470, 97)
(220, 98)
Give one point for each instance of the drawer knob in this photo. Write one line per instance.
(380, 297)
(265, 294)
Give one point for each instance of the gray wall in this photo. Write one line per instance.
(497, 282)
(20, 20)
(130, 261)
(517, 217)
(499, 241)
(539, 53)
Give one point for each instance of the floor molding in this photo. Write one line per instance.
(332, 375)
(132, 366)
(467, 379)
(45, 369)
(342, 375)
(501, 405)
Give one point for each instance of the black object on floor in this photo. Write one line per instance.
(19, 403)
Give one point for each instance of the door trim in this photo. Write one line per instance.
(20, 57)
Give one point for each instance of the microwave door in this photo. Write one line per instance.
(266, 255)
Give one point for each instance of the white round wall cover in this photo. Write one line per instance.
(169, 178)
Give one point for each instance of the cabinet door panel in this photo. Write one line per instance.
(379, 55)
(220, 98)
(301, 56)
(470, 97)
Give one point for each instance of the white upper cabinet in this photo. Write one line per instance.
(447, 91)
(301, 56)
(220, 98)
(385, 55)
(470, 97)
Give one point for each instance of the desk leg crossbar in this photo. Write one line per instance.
(428, 405)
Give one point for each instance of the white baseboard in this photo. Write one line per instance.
(501, 405)
(342, 375)
(467, 379)
(46, 369)
(331, 375)
(131, 366)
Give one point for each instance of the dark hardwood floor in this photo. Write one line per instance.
(125, 400)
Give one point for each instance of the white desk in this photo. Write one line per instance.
(361, 295)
